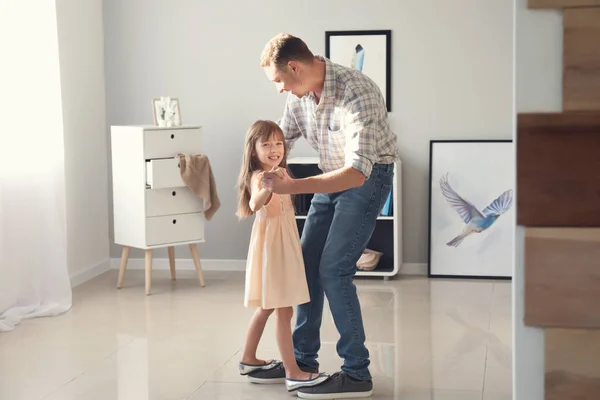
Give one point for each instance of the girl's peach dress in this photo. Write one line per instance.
(275, 275)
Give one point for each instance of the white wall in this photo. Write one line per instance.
(538, 89)
(81, 51)
(451, 78)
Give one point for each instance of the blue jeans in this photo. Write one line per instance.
(336, 232)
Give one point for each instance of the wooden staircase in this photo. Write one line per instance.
(558, 203)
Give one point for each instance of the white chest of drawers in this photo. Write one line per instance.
(152, 206)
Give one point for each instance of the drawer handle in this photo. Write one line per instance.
(174, 221)
(172, 136)
(174, 193)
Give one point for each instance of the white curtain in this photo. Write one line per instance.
(34, 280)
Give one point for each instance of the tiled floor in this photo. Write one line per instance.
(429, 340)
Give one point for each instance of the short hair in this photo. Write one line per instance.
(284, 48)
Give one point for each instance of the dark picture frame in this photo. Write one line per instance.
(369, 51)
(464, 174)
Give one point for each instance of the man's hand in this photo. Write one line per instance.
(277, 181)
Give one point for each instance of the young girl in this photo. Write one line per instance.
(275, 277)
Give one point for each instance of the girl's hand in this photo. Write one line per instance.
(278, 171)
(278, 181)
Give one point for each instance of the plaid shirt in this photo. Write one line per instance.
(349, 127)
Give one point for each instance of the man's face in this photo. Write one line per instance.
(287, 80)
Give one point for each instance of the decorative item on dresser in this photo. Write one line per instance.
(383, 255)
(154, 206)
(166, 111)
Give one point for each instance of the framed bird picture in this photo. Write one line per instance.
(471, 208)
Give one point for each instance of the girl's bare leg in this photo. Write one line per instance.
(255, 331)
(286, 347)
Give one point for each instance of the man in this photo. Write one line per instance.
(342, 114)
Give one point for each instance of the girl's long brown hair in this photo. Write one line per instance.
(260, 130)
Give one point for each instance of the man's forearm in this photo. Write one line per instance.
(329, 182)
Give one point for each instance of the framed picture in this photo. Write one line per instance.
(471, 208)
(166, 111)
(367, 51)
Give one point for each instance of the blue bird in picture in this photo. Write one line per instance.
(476, 221)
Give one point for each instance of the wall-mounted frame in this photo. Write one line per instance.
(367, 51)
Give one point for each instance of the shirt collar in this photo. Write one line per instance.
(329, 83)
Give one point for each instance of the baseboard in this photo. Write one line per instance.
(188, 264)
(89, 273)
(230, 265)
(414, 269)
(183, 264)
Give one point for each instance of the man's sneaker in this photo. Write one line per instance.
(338, 386)
(274, 375)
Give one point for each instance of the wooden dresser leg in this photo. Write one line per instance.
(196, 257)
(124, 259)
(148, 271)
(172, 261)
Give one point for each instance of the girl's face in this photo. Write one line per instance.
(270, 152)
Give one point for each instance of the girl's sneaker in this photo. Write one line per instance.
(294, 384)
(246, 369)
(276, 374)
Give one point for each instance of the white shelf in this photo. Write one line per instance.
(149, 127)
(376, 273)
(303, 160)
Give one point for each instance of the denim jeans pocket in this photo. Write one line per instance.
(386, 175)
